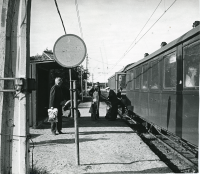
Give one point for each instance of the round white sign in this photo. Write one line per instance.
(69, 50)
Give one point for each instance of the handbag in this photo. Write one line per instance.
(52, 114)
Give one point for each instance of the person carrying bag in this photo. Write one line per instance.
(94, 109)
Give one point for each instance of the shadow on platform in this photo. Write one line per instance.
(64, 141)
(68, 122)
(152, 170)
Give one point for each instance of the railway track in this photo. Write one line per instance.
(179, 155)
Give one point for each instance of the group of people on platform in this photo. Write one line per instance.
(113, 98)
(57, 101)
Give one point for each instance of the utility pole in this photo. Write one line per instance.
(14, 60)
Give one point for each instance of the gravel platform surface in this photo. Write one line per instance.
(106, 147)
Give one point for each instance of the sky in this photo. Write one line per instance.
(110, 27)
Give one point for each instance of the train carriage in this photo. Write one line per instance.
(163, 88)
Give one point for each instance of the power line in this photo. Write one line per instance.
(143, 27)
(129, 48)
(144, 34)
(60, 16)
(80, 27)
(102, 62)
(154, 23)
(79, 20)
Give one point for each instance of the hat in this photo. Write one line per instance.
(107, 88)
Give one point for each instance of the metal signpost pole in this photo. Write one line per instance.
(76, 123)
(71, 93)
(70, 51)
(81, 84)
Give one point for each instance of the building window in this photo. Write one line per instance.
(191, 56)
(170, 71)
(154, 75)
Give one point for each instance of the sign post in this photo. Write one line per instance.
(70, 51)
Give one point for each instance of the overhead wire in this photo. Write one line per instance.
(80, 28)
(102, 62)
(144, 26)
(144, 34)
(79, 20)
(60, 16)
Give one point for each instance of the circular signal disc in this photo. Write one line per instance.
(69, 50)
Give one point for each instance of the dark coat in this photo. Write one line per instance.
(112, 97)
(56, 97)
(119, 95)
(91, 91)
(99, 91)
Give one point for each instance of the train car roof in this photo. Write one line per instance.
(189, 34)
(122, 70)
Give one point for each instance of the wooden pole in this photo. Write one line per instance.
(76, 124)
(14, 60)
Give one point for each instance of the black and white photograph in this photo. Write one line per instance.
(99, 86)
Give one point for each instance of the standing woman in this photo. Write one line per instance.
(95, 102)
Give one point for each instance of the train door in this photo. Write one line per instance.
(191, 63)
(145, 92)
(169, 94)
(154, 92)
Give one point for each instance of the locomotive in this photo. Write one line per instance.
(163, 87)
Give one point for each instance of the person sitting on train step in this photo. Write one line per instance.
(112, 97)
(119, 96)
(190, 77)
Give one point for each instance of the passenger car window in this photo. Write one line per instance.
(137, 83)
(170, 71)
(131, 80)
(191, 56)
(128, 80)
(121, 81)
(144, 77)
(154, 75)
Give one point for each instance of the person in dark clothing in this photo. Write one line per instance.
(99, 89)
(56, 99)
(112, 97)
(91, 91)
(99, 92)
(119, 96)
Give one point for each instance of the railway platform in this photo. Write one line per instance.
(106, 147)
